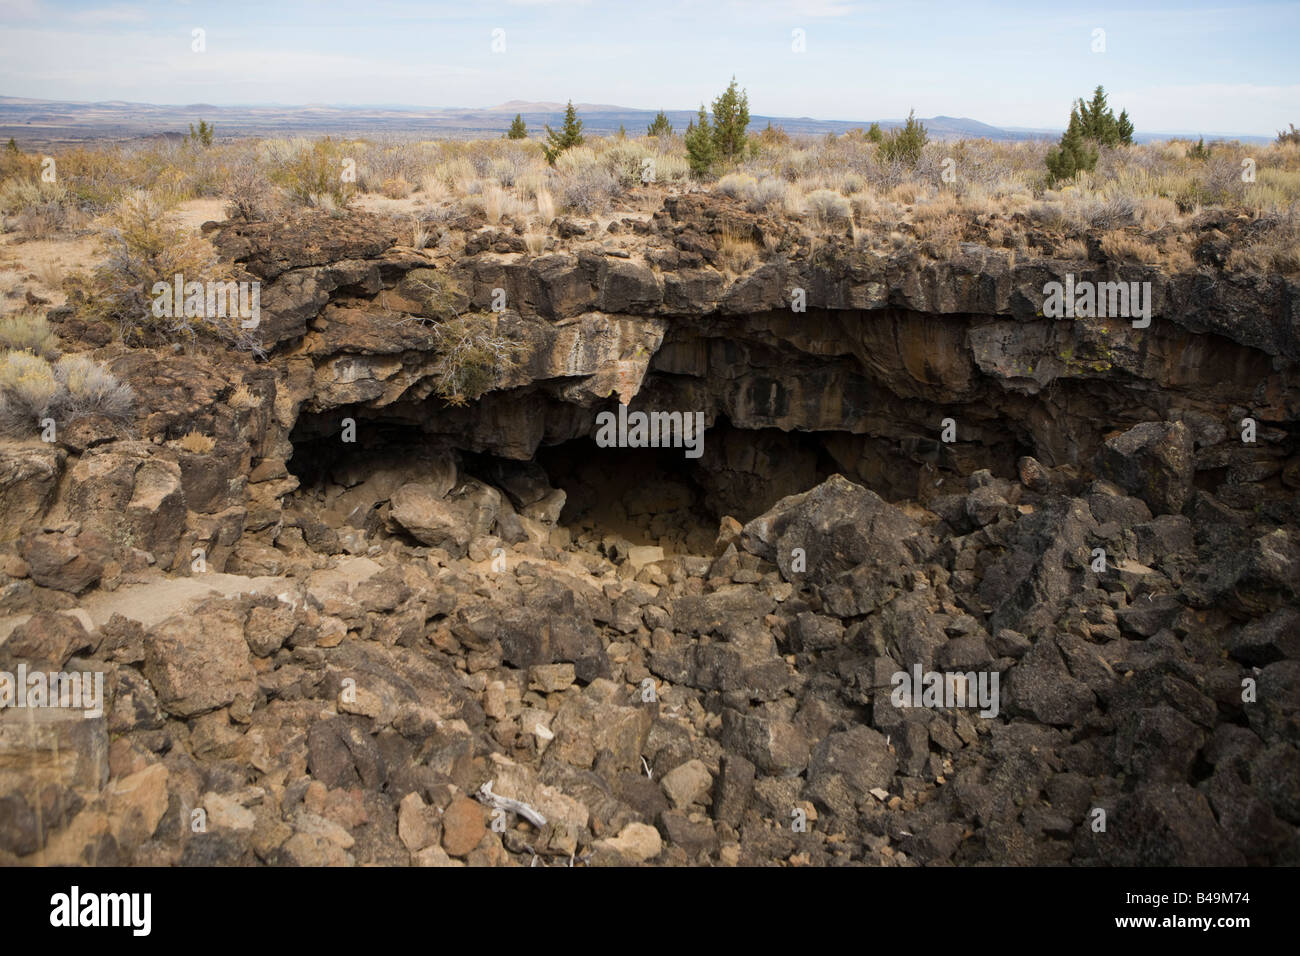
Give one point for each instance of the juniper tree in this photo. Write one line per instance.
(203, 135)
(517, 130)
(1092, 124)
(1098, 122)
(660, 126)
(1125, 128)
(904, 145)
(570, 135)
(700, 149)
(730, 120)
(1074, 154)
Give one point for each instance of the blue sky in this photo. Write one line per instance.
(1209, 67)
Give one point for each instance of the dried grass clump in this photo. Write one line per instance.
(28, 391)
(1071, 249)
(1276, 248)
(249, 193)
(1126, 248)
(758, 195)
(671, 168)
(1156, 213)
(244, 397)
(739, 252)
(396, 188)
(736, 185)
(585, 185)
(626, 160)
(420, 234)
(439, 295)
(496, 203)
(545, 206)
(940, 237)
(37, 209)
(196, 443)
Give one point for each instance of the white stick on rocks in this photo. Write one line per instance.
(485, 795)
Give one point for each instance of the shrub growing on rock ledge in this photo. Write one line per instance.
(472, 355)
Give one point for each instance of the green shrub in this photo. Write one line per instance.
(1092, 125)
(518, 129)
(1073, 155)
(1098, 122)
(202, 136)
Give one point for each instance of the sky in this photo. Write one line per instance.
(1208, 67)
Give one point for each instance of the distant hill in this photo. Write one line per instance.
(54, 122)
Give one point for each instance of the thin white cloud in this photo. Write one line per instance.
(118, 13)
(62, 62)
(20, 9)
(796, 10)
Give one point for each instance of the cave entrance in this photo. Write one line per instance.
(650, 496)
(645, 496)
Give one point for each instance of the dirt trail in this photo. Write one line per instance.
(157, 599)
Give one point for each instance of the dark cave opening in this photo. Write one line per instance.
(648, 496)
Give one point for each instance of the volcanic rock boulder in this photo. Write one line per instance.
(29, 476)
(45, 640)
(1152, 461)
(418, 509)
(843, 540)
(199, 661)
(65, 562)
